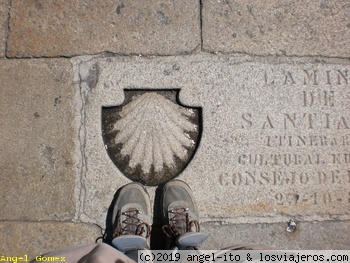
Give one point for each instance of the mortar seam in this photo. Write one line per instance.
(201, 22)
(184, 54)
(80, 146)
(7, 28)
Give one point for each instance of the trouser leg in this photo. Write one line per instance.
(94, 253)
(105, 254)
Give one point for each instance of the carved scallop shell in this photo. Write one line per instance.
(153, 131)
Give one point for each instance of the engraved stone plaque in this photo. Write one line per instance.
(275, 136)
(150, 137)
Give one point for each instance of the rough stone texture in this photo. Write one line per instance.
(300, 28)
(4, 6)
(275, 141)
(34, 239)
(309, 235)
(275, 134)
(37, 171)
(67, 28)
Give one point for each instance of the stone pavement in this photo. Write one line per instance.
(273, 84)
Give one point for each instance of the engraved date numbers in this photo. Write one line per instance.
(312, 198)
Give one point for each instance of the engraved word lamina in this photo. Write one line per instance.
(151, 137)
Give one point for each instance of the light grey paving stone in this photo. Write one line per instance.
(4, 7)
(32, 239)
(274, 142)
(292, 28)
(68, 28)
(308, 235)
(37, 140)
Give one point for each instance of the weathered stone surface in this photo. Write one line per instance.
(37, 168)
(309, 235)
(4, 6)
(52, 28)
(275, 134)
(301, 28)
(35, 239)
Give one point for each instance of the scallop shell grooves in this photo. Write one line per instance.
(154, 136)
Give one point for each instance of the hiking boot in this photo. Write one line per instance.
(180, 214)
(131, 217)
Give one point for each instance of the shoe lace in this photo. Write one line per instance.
(180, 223)
(132, 224)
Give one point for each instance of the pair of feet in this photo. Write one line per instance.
(132, 217)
